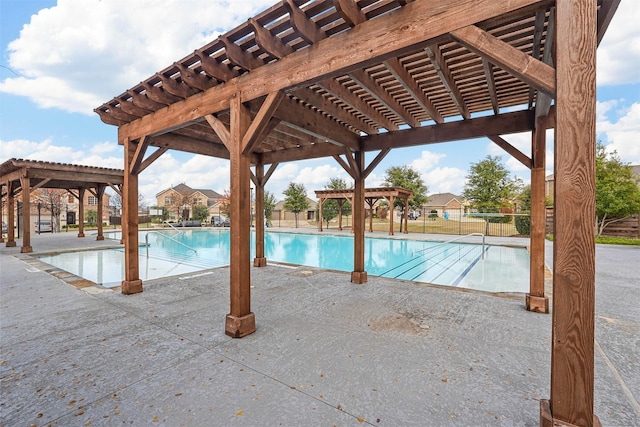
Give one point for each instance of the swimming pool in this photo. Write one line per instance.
(503, 269)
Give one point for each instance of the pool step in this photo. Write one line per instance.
(446, 266)
(188, 259)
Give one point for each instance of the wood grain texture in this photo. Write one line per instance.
(538, 211)
(572, 356)
(240, 214)
(129, 222)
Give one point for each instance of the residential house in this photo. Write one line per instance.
(446, 202)
(179, 201)
(279, 213)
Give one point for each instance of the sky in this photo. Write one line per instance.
(61, 59)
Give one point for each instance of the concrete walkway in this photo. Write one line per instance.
(326, 352)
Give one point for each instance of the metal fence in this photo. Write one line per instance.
(457, 221)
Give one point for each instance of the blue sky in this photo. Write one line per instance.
(61, 59)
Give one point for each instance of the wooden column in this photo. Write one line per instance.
(260, 260)
(131, 283)
(535, 299)
(340, 203)
(100, 196)
(81, 191)
(11, 233)
(240, 321)
(358, 275)
(406, 215)
(572, 338)
(392, 200)
(25, 183)
(320, 203)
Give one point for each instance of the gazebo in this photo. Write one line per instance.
(371, 196)
(23, 176)
(342, 78)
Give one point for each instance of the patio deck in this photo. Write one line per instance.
(326, 351)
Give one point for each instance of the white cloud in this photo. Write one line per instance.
(619, 52)
(427, 160)
(445, 180)
(80, 53)
(624, 134)
(47, 151)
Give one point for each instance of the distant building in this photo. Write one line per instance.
(280, 213)
(445, 202)
(180, 200)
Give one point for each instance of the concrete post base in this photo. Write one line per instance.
(547, 420)
(537, 304)
(238, 327)
(358, 277)
(26, 249)
(100, 238)
(259, 262)
(80, 234)
(131, 287)
(10, 244)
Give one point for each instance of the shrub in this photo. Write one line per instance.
(523, 224)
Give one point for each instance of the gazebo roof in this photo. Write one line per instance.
(59, 175)
(363, 74)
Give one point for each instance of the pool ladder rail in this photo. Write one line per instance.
(146, 240)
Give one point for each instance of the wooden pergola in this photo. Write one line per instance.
(343, 78)
(371, 196)
(23, 176)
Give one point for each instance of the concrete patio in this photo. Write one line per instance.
(326, 352)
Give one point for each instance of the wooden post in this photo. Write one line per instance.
(11, 234)
(358, 275)
(260, 260)
(536, 299)
(340, 203)
(572, 340)
(100, 194)
(81, 212)
(392, 200)
(406, 215)
(240, 321)
(25, 183)
(131, 283)
(320, 203)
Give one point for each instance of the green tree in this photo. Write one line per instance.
(199, 212)
(617, 192)
(335, 207)
(92, 217)
(489, 186)
(329, 210)
(269, 205)
(295, 199)
(408, 178)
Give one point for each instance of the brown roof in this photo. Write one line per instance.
(443, 199)
(59, 175)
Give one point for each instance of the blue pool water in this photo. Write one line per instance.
(503, 269)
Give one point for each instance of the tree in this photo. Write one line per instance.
(225, 203)
(52, 201)
(92, 217)
(335, 207)
(269, 205)
(489, 186)
(617, 192)
(199, 212)
(408, 178)
(295, 199)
